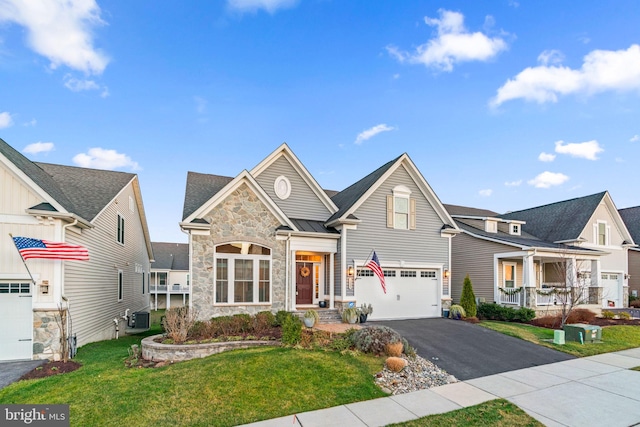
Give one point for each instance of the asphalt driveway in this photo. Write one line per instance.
(12, 371)
(470, 351)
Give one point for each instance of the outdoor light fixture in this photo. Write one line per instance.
(627, 276)
(445, 273)
(350, 271)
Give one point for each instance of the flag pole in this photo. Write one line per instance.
(23, 261)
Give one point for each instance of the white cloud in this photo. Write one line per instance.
(100, 158)
(201, 104)
(453, 44)
(635, 138)
(254, 5)
(5, 120)
(31, 122)
(602, 70)
(586, 150)
(548, 179)
(77, 85)
(550, 57)
(38, 147)
(546, 157)
(485, 193)
(60, 30)
(370, 133)
(513, 183)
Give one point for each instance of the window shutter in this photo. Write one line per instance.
(412, 214)
(390, 211)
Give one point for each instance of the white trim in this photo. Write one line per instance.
(282, 195)
(515, 274)
(284, 150)
(255, 259)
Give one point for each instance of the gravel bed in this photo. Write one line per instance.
(419, 374)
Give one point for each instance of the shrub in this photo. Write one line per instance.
(549, 322)
(624, 315)
(312, 314)
(281, 316)
(608, 314)
(456, 312)
(523, 315)
(200, 330)
(491, 311)
(242, 323)
(177, 322)
(263, 321)
(635, 303)
(468, 298)
(395, 364)
(581, 315)
(393, 349)
(291, 330)
(374, 339)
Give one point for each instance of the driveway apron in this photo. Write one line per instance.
(12, 371)
(470, 351)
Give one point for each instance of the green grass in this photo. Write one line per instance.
(227, 389)
(614, 338)
(495, 413)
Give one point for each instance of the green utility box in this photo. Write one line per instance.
(590, 333)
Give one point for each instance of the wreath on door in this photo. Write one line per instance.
(304, 271)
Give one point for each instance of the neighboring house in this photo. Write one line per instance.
(100, 210)
(515, 258)
(631, 218)
(169, 283)
(272, 239)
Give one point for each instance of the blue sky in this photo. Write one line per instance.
(502, 105)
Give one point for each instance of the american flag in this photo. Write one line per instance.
(374, 265)
(35, 248)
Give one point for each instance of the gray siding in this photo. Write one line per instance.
(303, 202)
(634, 271)
(92, 286)
(474, 257)
(424, 244)
(337, 269)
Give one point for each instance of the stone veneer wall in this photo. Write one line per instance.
(242, 217)
(46, 336)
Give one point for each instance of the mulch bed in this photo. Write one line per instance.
(51, 368)
(612, 322)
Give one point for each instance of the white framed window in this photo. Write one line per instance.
(389, 273)
(514, 229)
(120, 230)
(602, 233)
(242, 273)
(365, 272)
(491, 226)
(401, 209)
(429, 274)
(408, 273)
(282, 187)
(15, 288)
(509, 275)
(120, 285)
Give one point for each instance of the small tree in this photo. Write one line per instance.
(468, 298)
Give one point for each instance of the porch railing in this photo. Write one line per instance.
(177, 288)
(545, 299)
(510, 298)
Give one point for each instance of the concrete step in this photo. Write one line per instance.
(325, 315)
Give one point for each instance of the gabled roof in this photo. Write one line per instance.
(560, 221)
(200, 188)
(88, 190)
(170, 256)
(631, 218)
(468, 211)
(524, 241)
(353, 196)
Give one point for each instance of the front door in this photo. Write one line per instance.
(304, 283)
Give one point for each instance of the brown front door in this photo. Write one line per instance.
(304, 283)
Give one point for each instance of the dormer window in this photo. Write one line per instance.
(514, 229)
(491, 226)
(401, 209)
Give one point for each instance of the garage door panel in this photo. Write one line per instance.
(406, 297)
(16, 329)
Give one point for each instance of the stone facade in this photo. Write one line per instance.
(46, 335)
(241, 217)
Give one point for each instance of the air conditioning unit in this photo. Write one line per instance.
(140, 320)
(582, 333)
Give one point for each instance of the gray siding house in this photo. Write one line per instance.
(169, 279)
(100, 210)
(631, 218)
(518, 258)
(272, 239)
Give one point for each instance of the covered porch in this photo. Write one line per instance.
(543, 279)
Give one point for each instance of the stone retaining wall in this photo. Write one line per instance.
(157, 352)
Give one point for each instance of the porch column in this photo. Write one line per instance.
(595, 295)
(331, 280)
(496, 275)
(292, 279)
(168, 297)
(570, 272)
(528, 278)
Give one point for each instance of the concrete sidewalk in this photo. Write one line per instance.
(591, 391)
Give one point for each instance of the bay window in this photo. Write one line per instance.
(242, 273)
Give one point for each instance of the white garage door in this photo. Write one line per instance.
(610, 289)
(16, 328)
(410, 294)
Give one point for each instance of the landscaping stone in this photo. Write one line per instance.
(419, 374)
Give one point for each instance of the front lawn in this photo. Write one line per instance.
(222, 390)
(495, 413)
(614, 338)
